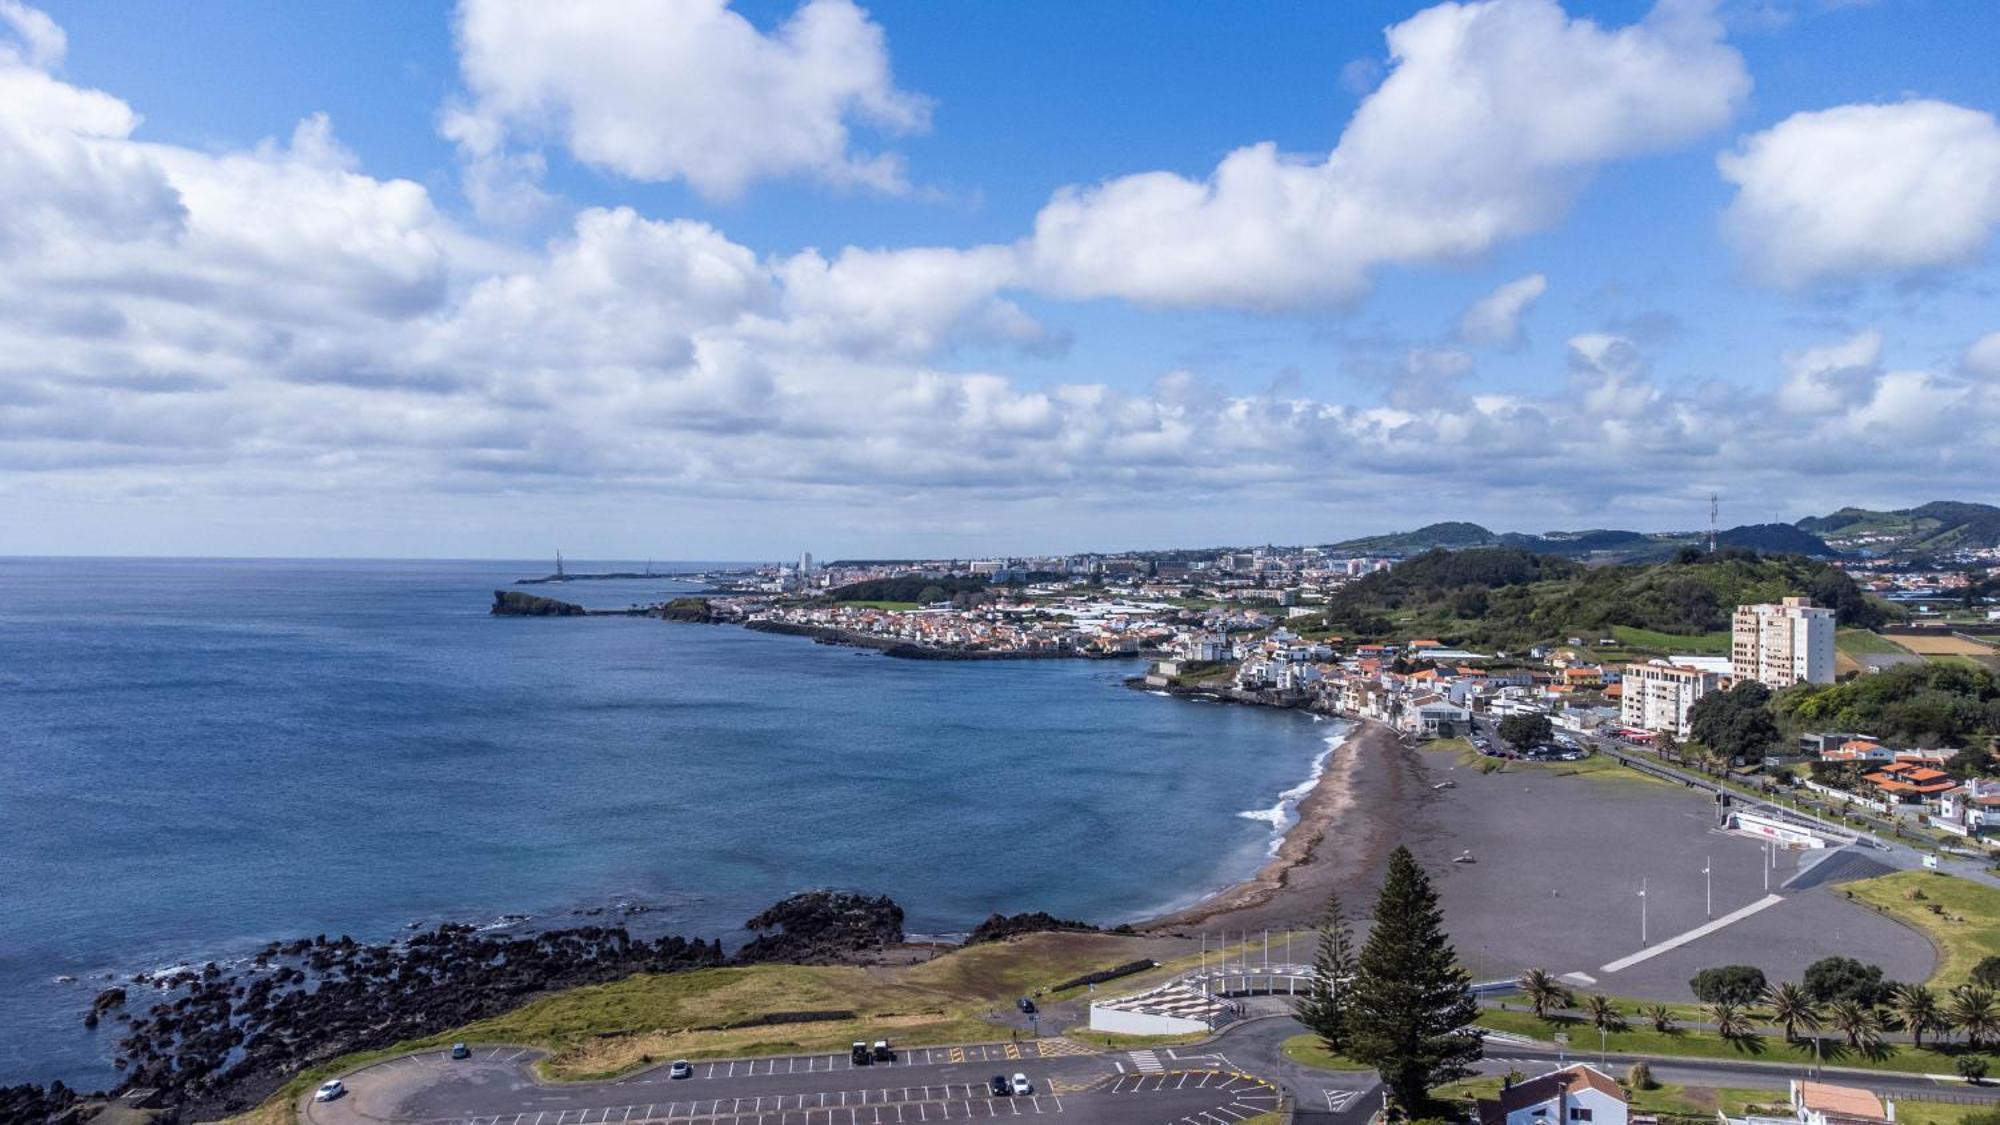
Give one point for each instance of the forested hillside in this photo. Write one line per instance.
(1508, 597)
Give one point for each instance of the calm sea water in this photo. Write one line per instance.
(197, 756)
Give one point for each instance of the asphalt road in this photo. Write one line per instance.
(494, 1087)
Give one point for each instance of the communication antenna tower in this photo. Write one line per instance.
(1714, 508)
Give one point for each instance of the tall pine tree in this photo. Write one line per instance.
(1323, 1009)
(1411, 1005)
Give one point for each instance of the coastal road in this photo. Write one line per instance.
(495, 1087)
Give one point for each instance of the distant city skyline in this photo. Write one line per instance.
(898, 279)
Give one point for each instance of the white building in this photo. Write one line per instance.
(1577, 1095)
(1779, 645)
(1657, 695)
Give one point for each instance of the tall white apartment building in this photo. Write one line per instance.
(1656, 696)
(1783, 644)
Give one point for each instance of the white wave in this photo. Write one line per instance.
(1285, 813)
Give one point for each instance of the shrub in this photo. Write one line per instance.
(1640, 1077)
(1734, 984)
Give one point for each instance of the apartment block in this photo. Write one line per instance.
(1778, 645)
(1658, 695)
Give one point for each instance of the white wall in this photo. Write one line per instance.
(1141, 1023)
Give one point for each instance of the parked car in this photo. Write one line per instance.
(858, 1054)
(460, 1051)
(999, 1086)
(329, 1090)
(882, 1051)
(1022, 1087)
(680, 1069)
(1026, 1005)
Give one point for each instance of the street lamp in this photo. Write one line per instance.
(1642, 913)
(1708, 881)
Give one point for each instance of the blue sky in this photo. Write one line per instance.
(635, 338)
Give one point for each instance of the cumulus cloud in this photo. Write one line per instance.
(1983, 357)
(1864, 189)
(1831, 377)
(1495, 319)
(675, 90)
(1492, 116)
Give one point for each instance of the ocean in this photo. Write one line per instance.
(199, 756)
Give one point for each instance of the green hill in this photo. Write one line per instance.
(1506, 597)
(1450, 536)
(1942, 525)
(1602, 544)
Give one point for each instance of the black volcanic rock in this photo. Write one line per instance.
(513, 603)
(998, 927)
(820, 927)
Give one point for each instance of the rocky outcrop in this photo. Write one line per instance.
(513, 603)
(219, 1042)
(823, 927)
(698, 610)
(999, 927)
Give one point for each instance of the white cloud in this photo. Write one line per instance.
(677, 90)
(1493, 116)
(1983, 357)
(1864, 189)
(1831, 377)
(1495, 319)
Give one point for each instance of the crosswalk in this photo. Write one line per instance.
(1336, 1100)
(1146, 1062)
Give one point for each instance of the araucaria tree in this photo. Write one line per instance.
(1412, 1006)
(1324, 1007)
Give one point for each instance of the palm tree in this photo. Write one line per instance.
(1917, 1007)
(1729, 1018)
(1660, 1016)
(1543, 992)
(1604, 1015)
(1861, 1023)
(1972, 1012)
(1792, 1008)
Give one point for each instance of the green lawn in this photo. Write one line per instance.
(1309, 1051)
(1639, 1038)
(1965, 927)
(1652, 641)
(1861, 642)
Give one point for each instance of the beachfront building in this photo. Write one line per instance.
(1821, 1103)
(1575, 1095)
(1658, 695)
(1781, 644)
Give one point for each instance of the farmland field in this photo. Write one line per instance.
(1943, 644)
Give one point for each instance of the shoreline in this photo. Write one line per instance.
(1338, 840)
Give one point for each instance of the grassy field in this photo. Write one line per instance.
(1662, 644)
(1309, 1051)
(610, 1029)
(1861, 642)
(1965, 926)
(1639, 1038)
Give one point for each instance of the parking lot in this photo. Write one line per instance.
(495, 1087)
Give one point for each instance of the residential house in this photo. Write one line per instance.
(1909, 782)
(1575, 1095)
(1821, 1103)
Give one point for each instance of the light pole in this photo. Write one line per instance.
(1708, 882)
(1642, 913)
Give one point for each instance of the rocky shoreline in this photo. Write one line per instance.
(212, 1041)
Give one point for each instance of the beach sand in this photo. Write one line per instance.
(1346, 828)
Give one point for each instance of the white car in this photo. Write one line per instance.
(1022, 1087)
(329, 1090)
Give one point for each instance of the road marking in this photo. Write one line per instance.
(1147, 1061)
(1700, 931)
